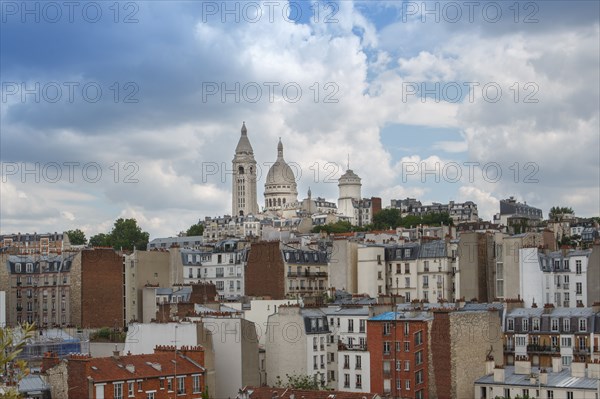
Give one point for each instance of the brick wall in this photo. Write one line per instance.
(265, 274)
(101, 289)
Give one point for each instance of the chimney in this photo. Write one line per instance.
(489, 366)
(116, 352)
(578, 369)
(50, 360)
(543, 377)
(594, 370)
(522, 365)
(499, 374)
(556, 364)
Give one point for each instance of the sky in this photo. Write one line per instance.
(134, 109)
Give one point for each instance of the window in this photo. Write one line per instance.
(361, 325)
(398, 346)
(525, 324)
(406, 365)
(346, 361)
(510, 324)
(407, 282)
(407, 268)
(358, 364)
(419, 377)
(569, 394)
(406, 346)
(130, 389)
(550, 394)
(407, 385)
(536, 324)
(419, 358)
(150, 395)
(520, 341)
(161, 383)
(566, 360)
(566, 324)
(181, 384)
(578, 289)
(139, 385)
(418, 338)
(346, 380)
(578, 266)
(554, 325)
(118, 394)
(170, 384)
(507, 392)
(17, 268)
(196, 383)
(386, 328)
(350, 325)
(29, 267)
(406, 328)
(566, 342)
(398, 365)
(386, 348)
(358, 381)
(582, 324)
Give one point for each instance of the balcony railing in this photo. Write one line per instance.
(542, 348)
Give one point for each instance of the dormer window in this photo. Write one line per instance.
(510, 324)
(582, 325)
(536, 324)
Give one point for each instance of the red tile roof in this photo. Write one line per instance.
(115, 369)
(284, 393)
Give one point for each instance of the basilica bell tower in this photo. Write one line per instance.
(244, 178)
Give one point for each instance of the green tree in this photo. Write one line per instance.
(340, 226)
(300, 382)
(387, 219)
(557, 212)
(77, 237)
(195, 230)
(126, 234)
(100, 240)
(12, 342)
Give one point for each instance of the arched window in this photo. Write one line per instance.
(278, 201)
(241, 170)
(284, 201)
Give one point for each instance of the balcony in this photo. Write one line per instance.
(425, 285)
(534, 348)
(509, 348)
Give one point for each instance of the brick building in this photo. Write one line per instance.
(101, 286)
(265, 271)
(398, 344)
(167, 373)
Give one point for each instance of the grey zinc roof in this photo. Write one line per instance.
(389, 316)
(433, 249)
(555, 380)
(32, 384)
(346, 311)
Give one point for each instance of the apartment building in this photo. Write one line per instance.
(42, 244)
(539, 334)
(459, 212)
(306, 272)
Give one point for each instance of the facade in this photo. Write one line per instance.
(539, 334)
(224, 267)
(459, 212)
(163, 374)
(399, 351)
(297, 344)
(347, 348)
(38, 289)
(517, 216)
(244, 178)
(195, 242)
(265, 271)
(306, 272)
(284, 393)
(557, 278)
(593, 276)
(32, 244)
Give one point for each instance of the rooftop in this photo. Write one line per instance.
(562, 379)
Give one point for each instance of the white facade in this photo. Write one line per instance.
(350, 368)
(224, 269)
(281, 191)
(371, 270)
(556, 278)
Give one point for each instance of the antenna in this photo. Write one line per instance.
(348, 162)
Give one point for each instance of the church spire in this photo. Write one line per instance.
(244, 130)
(280, 150)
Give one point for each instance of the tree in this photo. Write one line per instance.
(300, 382)
(77, 237)
(126, 234)
(100, 240)
(387, 219)
(557, 212)
(340, 226)
(12, 342)
(195, 230)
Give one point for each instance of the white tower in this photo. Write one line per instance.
(349, 189)
(244, 178)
